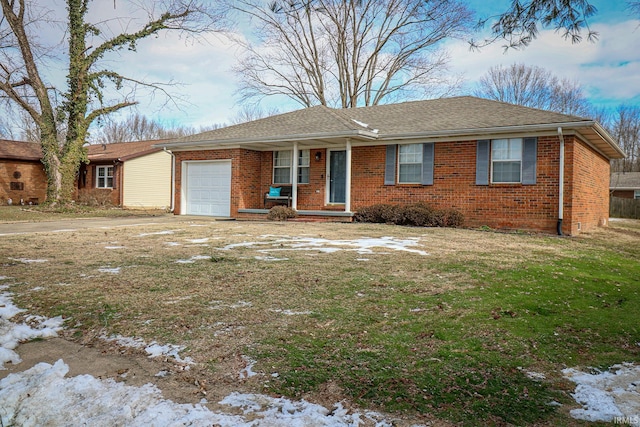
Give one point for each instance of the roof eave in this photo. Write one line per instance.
(21, 158)
(607, 146)
(358, 134)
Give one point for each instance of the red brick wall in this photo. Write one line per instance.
(511, 206)
(245, 175)
(87, 191)
(588, 178)
(28, 175)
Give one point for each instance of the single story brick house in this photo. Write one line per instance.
(128, 174)
(501, 165)
(625, 185)
(22, 175)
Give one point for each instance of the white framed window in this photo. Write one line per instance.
(636, 194)
(506, 160)
(104, 176)
(303, 166)
(282, 167)
(410, 164)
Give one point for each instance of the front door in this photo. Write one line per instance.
(337, 176)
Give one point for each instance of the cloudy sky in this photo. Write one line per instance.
(609, 70)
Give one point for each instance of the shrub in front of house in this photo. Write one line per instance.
(281, 213)
(417, 214)
(94, 197)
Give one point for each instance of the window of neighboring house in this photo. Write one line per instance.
(506, 160)
(104, 176)
(636, 194)
(410, 164)
(282, 167)
(303, 166)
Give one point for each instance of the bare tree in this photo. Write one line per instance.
(534, 87)
(625, 128)
(348, 53)
(63, 114)
(250, 112)
(137, 127)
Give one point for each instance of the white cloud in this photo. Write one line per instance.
(202, 69)
(609, 69)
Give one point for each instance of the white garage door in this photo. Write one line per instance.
(208, 188)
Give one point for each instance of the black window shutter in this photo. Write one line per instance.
(390, 166)
(482, 162)
(529, 159)
(427, 163)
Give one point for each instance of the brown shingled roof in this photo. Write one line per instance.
(464, 112)
(20, 150)
(121, 151)
(625, 181)
(318, 119)
(459, 117)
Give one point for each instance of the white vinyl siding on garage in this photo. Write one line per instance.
(207, 188)
(147, 182)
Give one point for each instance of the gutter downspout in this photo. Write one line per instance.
(560, 183)
(173, 179)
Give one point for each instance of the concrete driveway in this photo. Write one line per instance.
(63, 225)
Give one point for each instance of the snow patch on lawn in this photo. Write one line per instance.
(110, 270)
(158, 233)
(28, 261)
(290, 312)
(609, 396)
(217, 305)
(269, 258)
(202, 240)
(361, 246)
(193, 259)
(12, 334)
(43, 396)
(247, 371)
(153, 349)
(285, 412)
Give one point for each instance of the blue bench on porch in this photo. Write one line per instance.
(278, 195)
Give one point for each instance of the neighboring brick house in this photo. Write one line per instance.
(22, 175)
(128, 174)
(499, 164)
(625, 185)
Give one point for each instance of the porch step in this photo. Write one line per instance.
(310, 219)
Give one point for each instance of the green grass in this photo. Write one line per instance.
(460, 355)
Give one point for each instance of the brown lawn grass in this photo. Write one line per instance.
(236, 302)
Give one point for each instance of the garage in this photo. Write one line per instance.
(207, 188)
